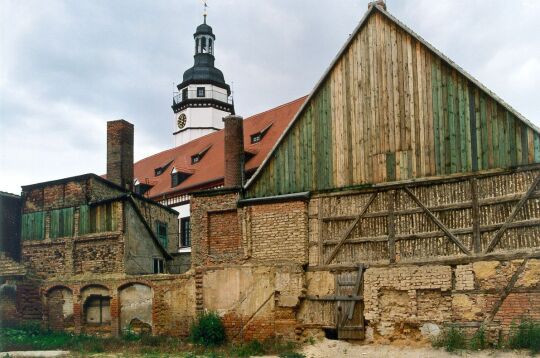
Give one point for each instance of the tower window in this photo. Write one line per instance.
(203, 45)
(200, 91)
(184, 94)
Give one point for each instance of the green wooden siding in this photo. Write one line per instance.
(61, 223)
(33, 226)
(391, 109)
(98, 218)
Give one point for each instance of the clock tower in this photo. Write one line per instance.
(203, 97)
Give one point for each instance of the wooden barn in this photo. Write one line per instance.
(402, 197)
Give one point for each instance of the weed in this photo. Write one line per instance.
(208, 330)
(451, 339)
(478, 341)
(252, 348)
(526, 335)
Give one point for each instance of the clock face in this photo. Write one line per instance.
(181, 122)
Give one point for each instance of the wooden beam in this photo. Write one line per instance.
(334, 298)
(437, 222)
(477, 243)
(512, 216)
(356, 289)
(391, 226)
(320, 228)
(351, 227)
(505, 292)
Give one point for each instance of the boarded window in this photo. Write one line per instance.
(98, 218)
(97, 310)
(33, 226)
(61, 223)
(162, 233)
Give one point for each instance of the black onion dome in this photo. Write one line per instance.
(204, 72)
(204, 29)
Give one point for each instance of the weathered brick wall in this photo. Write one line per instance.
(45, 259)
(98, 255)
(278, 231)
(215, 229)
(166, 306)
(224, 234)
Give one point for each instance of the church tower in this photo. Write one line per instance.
(203, 98)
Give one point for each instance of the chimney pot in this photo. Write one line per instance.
(234, 151)
(120, 153)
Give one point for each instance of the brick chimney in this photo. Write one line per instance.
(120, 153)
(234, 151)
(380, 3)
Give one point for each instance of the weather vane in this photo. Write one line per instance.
(205, 11)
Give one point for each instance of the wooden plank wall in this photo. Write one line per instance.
(392, 110)
(396, 229)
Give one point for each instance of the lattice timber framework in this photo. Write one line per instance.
(449, 218)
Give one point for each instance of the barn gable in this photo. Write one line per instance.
(391, 108)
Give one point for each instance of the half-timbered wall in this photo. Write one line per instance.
(392, 109)
(443, 219)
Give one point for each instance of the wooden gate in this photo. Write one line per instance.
(350, 304)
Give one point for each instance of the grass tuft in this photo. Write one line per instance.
(451, 340)
(526, 335)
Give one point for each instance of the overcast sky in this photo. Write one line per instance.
(67, 67)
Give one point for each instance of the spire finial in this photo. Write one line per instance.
(205, 13)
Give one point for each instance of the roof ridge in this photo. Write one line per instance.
(278, 107)
(176, 148)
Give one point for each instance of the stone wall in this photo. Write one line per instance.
(412, 302)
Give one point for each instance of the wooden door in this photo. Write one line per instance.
(350, 304)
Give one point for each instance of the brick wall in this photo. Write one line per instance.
(98, 256)
(277, 231)
(216, 233)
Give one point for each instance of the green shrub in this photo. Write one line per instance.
(478, 341)
(130, 336)
(208, 330)
(526, 335)
(451, 339)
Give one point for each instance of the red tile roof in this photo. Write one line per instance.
(208, 172)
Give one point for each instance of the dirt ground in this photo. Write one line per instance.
(334, 349)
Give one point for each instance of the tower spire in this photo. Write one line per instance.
(205, 13)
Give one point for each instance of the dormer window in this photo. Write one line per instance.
(141, 188)
(178, 177)
(200, 91)
(197, 157)
(161, 170)
(248, 156)
(257, 137)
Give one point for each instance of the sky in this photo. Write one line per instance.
(68, 67)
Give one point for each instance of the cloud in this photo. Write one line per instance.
(73, 65)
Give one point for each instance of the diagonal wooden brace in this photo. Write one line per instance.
(497, 236)
(351, 227)
(437, 222)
